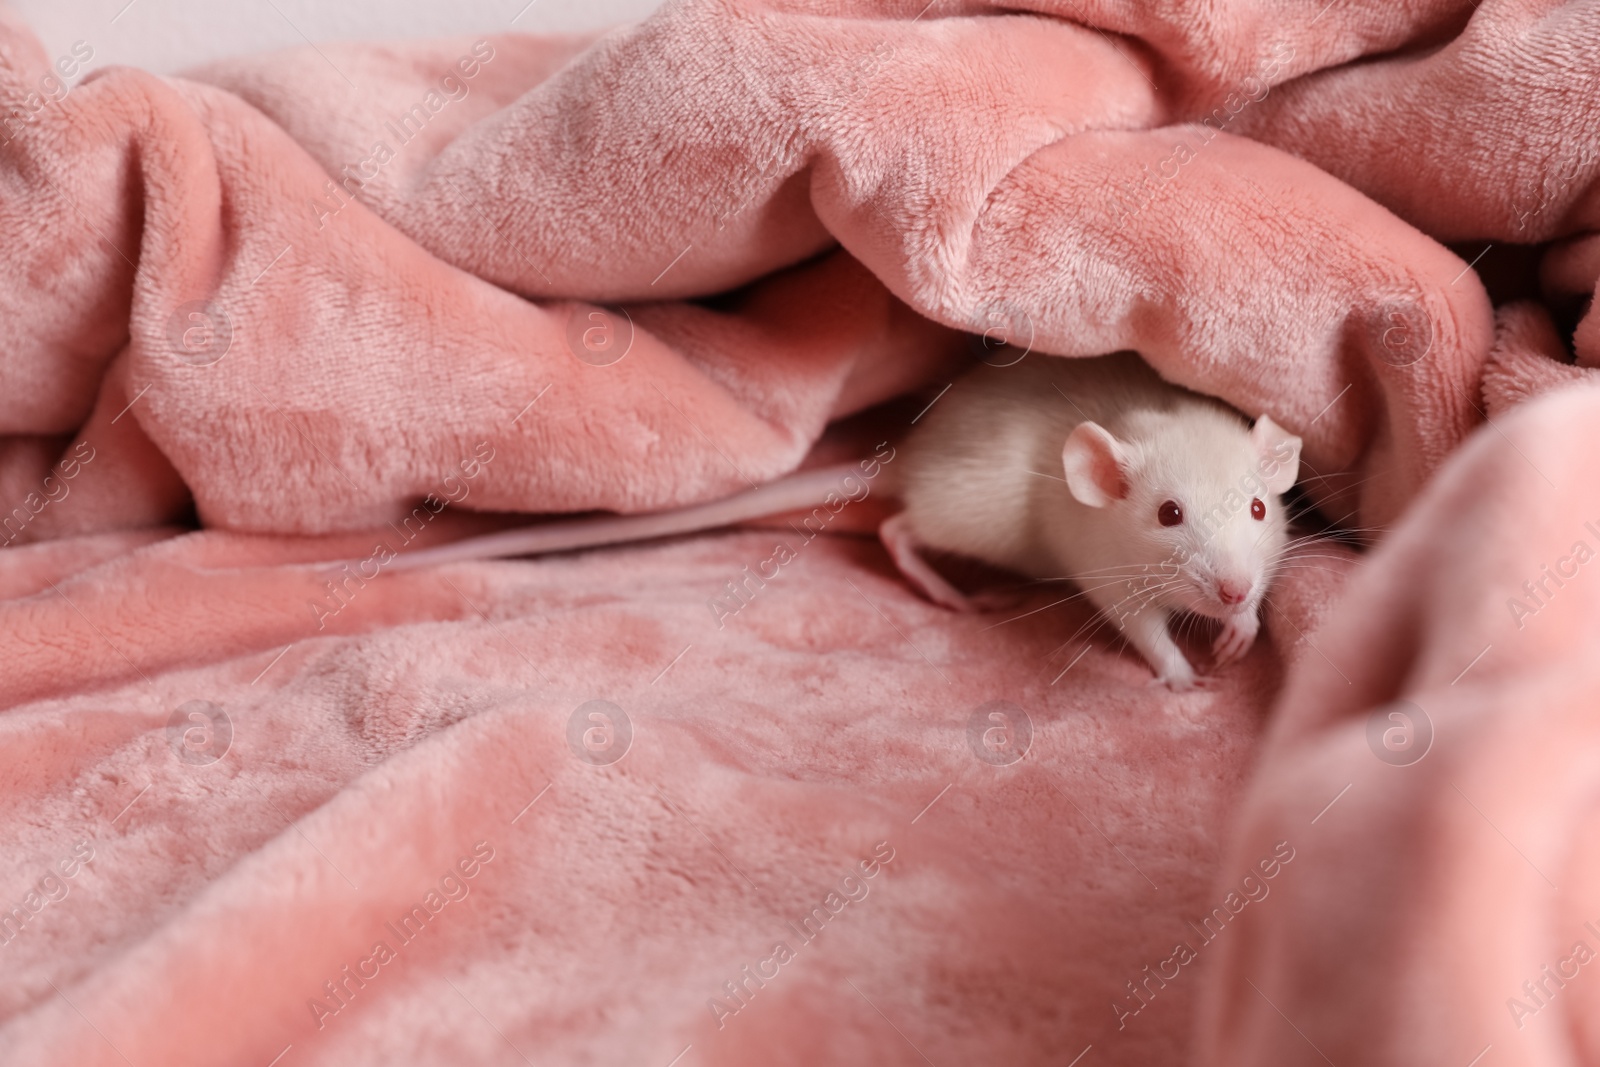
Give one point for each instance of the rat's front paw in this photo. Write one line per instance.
(1237, 635)
(1179, 677)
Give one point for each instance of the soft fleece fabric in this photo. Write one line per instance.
(330, 298)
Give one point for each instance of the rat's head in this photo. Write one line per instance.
(1191, 499)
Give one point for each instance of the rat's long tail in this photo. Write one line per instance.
(807, 489)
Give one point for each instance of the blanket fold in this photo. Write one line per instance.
(1435, 766)
(1052, 215)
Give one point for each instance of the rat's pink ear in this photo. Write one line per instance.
(1096, 465)
(1279, 453)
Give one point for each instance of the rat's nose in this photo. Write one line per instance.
(1232, 591)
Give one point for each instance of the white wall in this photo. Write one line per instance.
(167, 35)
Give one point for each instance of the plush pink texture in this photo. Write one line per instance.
(253, 294)
(360, 352)
(1423, 129)
(1430, 892)
(828, 715)
(1529, 358)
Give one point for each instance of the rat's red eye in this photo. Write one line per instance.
(1169, 513)
(1258, 510)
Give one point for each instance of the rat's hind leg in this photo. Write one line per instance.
(903, 546)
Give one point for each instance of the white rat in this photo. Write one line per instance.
(1155, 500)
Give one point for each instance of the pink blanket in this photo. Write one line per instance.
(344, 301)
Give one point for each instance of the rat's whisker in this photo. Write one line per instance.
(1035, 611)
(1081, 593)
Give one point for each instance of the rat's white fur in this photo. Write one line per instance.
(987, 475)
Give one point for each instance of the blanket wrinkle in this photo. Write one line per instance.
(1528, 359)
(959, 260)
(1486, 817)
(347, 791)
(1039, 214)
(1421, 131)
(1571, 270)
